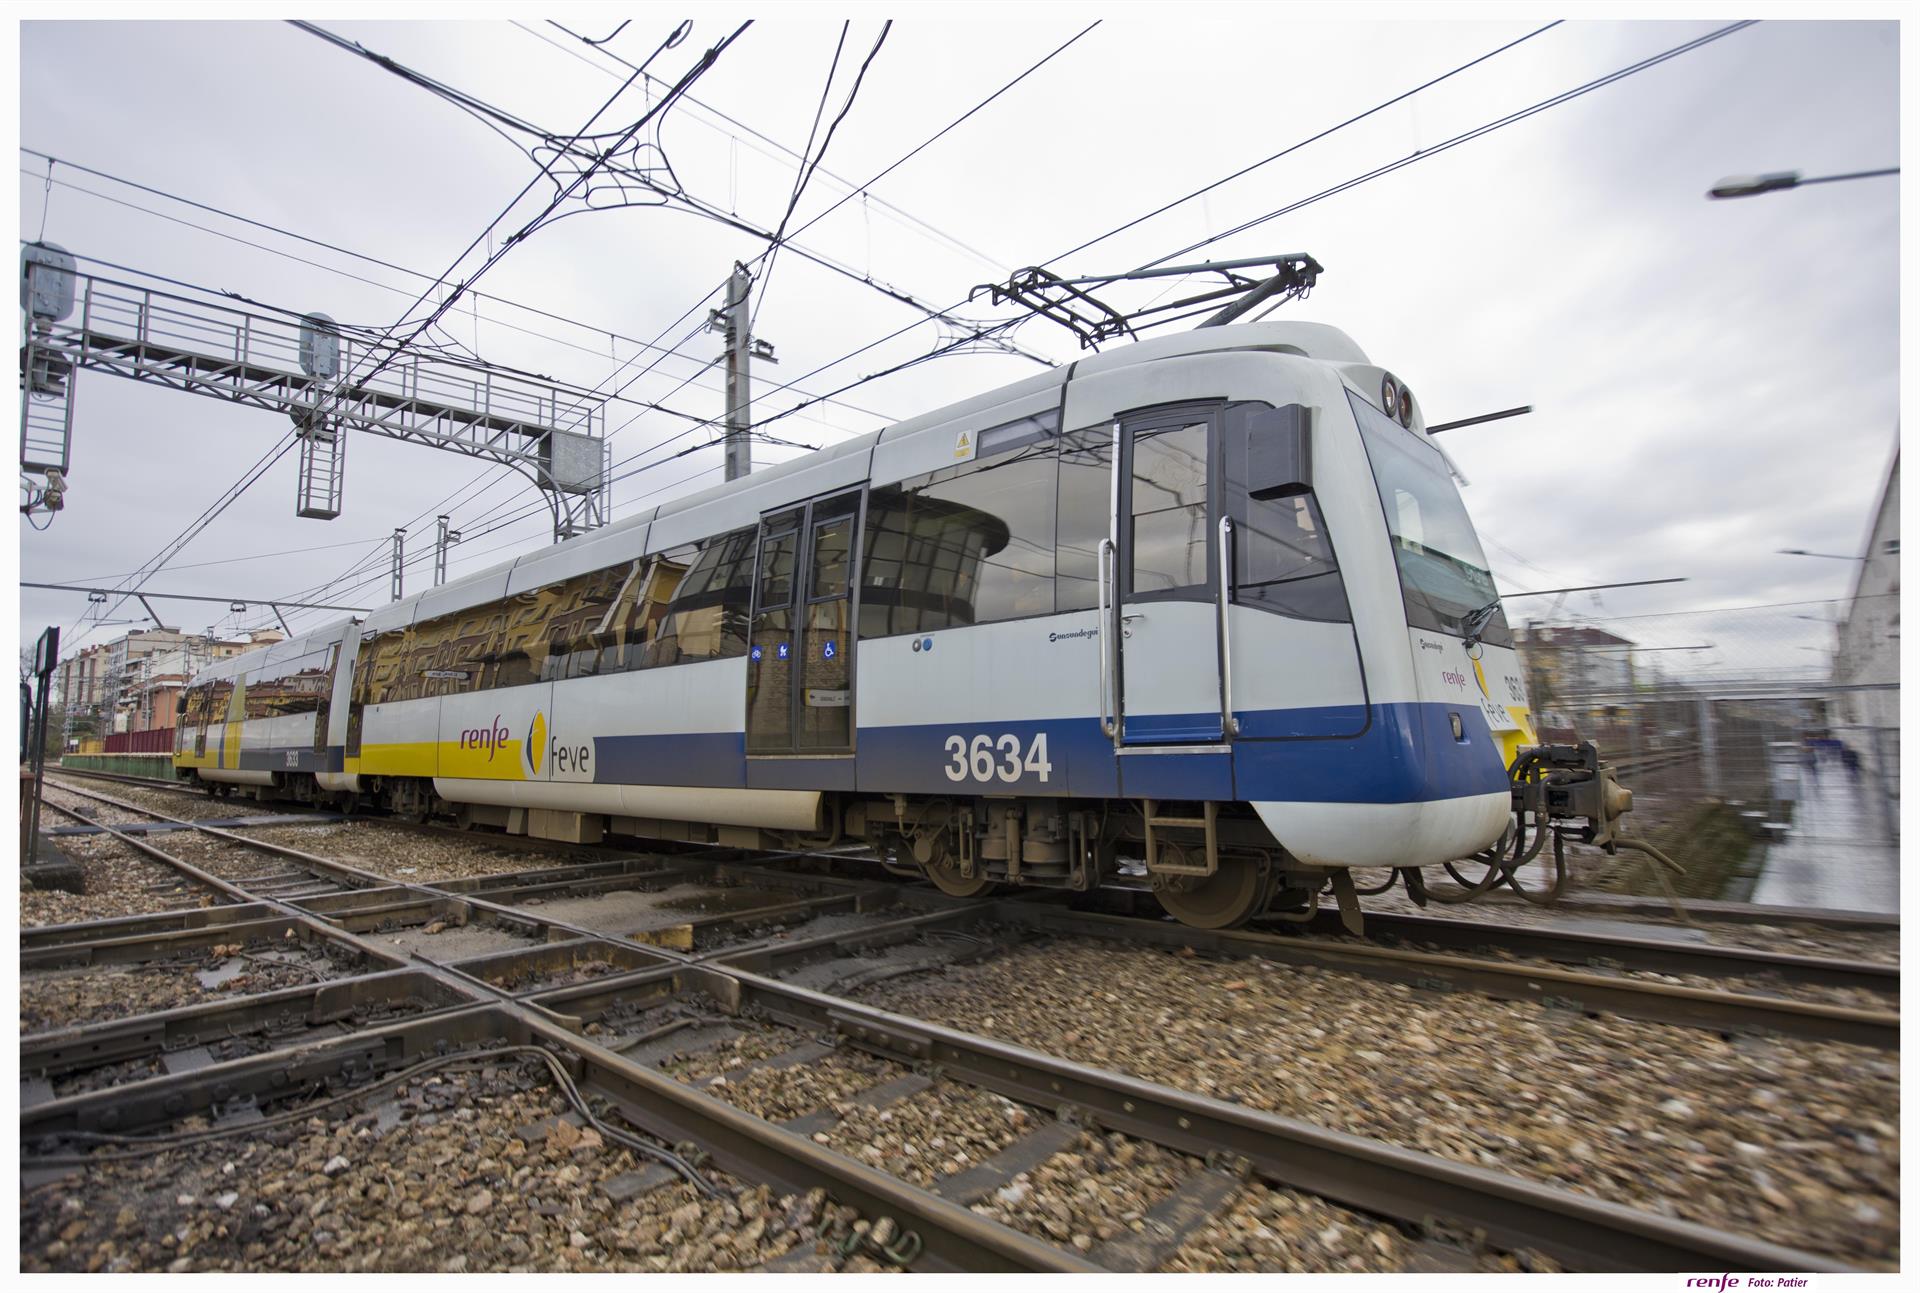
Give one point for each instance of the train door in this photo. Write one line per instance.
(801, 644)
(1166, 512)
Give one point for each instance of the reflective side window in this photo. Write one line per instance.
(707, 619)
(964, 545)
(1168, 516)
(1086, 498)
(1283, 561)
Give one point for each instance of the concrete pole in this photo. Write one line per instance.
(1710, 748)
(739, 380)
(446, 539)
(1886, 782)
(399, 561)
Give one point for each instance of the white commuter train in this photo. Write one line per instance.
(1209, 602)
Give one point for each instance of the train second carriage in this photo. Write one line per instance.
(1207, 610)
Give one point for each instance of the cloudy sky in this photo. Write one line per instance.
(1713, 380)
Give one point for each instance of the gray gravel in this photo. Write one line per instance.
(1795, 1140)
(412, 856)
(466, 1183)
(118, 881)
(191, 804)
(1098, 1189)
(65, 998)
(1799, 939)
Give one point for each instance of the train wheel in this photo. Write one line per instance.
(946, 877)
(1238, 890)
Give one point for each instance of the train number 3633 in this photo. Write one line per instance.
(997, 758)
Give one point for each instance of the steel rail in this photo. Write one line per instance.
(1563, 946)
(1551, 986)
(1659, 955)
(954, 1238)
(351, 876)
(1380, 1178)
(1713, 909)
(486, 901)
(1410, 1186)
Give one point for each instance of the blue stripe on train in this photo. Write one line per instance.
(1408, 754)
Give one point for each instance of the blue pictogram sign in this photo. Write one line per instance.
(782, 651)
(828, 651)
(755, 653)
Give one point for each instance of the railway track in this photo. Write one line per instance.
(1426, 952)
(612, 1010)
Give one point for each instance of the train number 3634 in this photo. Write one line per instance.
(997, 758)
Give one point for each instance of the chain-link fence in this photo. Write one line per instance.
(1772, 731)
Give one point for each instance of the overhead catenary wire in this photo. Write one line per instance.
(513, 240)
(653, 112)
(1478, 132)
(240, 487)
(593, 329)
(470, 103)
(889, 208)
(918, 148)
(800, 176)
(1374, 173)
(1465, 137)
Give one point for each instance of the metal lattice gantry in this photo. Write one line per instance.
(310, 369)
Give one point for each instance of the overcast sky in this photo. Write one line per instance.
(1712, 380)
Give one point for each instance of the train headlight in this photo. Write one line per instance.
(1406, 408)
(1389, 395)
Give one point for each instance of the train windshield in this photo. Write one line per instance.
(1442, 569)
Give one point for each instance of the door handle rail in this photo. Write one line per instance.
(1228, 723)
(1103, 557)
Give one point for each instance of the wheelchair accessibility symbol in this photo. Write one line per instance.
(828, 651)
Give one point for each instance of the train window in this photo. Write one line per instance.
(586, 629)
(776, 569)
(1284, 563)
(832, 546)
(379, 670)
(290, 687)
(707, 619)
(1442, 569)
(964, 545)
(1086, 500)
(1169, 512)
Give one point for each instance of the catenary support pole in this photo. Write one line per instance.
(739, 457)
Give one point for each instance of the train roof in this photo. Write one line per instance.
(909, 447)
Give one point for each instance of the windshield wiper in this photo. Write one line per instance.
(1476, 623)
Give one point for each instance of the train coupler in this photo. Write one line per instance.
(1570, 784)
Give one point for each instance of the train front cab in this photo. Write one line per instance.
(1321, 550)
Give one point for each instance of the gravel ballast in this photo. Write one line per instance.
(478, 1176)
(118, 881)
(1097, 1189)
(68, 998)
(1794, 1140)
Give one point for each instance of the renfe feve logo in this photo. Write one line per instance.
(489, 739)
(1454, 678)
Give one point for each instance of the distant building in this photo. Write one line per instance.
(131, 684)
(1866, 664)
(1574, 663)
